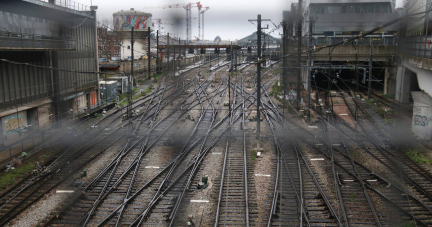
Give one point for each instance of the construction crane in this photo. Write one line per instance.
(159, 22)
(202, 12)
(199, 19)
(188, 8)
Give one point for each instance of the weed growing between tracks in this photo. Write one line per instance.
(406, 224)
(415, 156)
(12, 176)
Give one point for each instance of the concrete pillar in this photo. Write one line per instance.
(304, 76)
(386, 80)
(422, 114)
(402, 85)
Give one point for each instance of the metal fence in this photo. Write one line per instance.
(373, 41)
(40, 136)
(9, 40)
(71, 5)
(420, 46)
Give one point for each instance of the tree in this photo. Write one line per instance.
(109, 41)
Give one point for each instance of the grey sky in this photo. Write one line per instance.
(226, 18)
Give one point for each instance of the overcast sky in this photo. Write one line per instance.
(225, 18)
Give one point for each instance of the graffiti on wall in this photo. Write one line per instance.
(13, 124)
(420, 120)
(129, 21)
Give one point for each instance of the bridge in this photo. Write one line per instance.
(223, 44)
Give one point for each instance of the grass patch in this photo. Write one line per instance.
(352, 197)
(371, 101)
(387, 96)
(415, 156)
(406, 224)
(14, 175)
(9, 178)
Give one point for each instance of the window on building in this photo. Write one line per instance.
(350, 9)
(344, 8)
(370, 8)
(337, 9)
(329, 9)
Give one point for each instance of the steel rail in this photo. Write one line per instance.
(221, 186)
(179, 198)
(141, 216)
(367, 183)
(145, 186)
(110, 165)
(298, 151)
(368, 199)
(335, 176)
(186, 111)
(117, 139)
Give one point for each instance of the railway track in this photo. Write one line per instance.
(98, 213)
(317, 177)
(92, 144)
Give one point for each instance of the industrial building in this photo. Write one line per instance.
(48, 67)
(124, 21)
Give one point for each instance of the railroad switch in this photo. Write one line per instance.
(203, 183)
(83, 173)
(200, 185)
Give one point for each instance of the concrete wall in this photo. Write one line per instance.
(139, 65)
(422, 115)
(403, 84)
(12, 127)
(46, 115)
(390, 81)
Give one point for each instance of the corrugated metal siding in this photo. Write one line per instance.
(20, 84)
(82, 59)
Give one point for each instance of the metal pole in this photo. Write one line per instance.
(309, 71)
(229, 81)
(174, 59)
(329, 82)
(284, 60)
(180, 50)
(370, 74)
(168, 53)
(157, 52)
(148, 52)
(356, 71)
(299, 45)
(129, 108)
(76, 95)
(259, 77)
